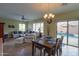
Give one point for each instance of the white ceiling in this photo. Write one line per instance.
(33, 11)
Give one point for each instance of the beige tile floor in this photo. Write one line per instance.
(10, 48)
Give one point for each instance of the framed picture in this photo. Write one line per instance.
(11, 26)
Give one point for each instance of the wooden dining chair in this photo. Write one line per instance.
(46, 50)
(39, 47)
(58, 48)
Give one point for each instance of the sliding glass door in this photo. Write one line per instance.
(70, 31)
(73, 33)
(62, 30)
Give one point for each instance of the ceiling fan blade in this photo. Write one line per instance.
(23, 18)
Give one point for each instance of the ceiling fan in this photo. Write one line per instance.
(23, 18)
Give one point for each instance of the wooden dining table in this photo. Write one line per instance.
(46, 44)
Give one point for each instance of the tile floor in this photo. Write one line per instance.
(12, 49)
(70, 51)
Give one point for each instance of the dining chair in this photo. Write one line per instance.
(39, 47)
(46, 50)
(61, 42)
(58, 48)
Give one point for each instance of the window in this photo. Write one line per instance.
(38, 26)
(21, 27)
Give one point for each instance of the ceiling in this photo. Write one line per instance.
(32, 11)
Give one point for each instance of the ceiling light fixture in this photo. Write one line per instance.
(48, 16)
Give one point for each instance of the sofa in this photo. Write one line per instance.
(17, 34)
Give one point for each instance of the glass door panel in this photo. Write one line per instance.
(62, 30)
(73, 33)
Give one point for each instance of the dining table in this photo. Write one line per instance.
(45, 43)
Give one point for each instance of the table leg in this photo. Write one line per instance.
(49, 54)
(32, 49)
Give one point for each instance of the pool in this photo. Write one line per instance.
(72, 39)
(69, 35)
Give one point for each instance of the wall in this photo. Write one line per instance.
(30, 23)
(73, 15)
(52, 26)
(68, 15)
(11, 22)
(64, 16)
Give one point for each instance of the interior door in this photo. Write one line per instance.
(1, 30)
(1, 37)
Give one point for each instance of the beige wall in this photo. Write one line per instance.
(30, 23)
(68, 15)
(74, 15)
(65, 16)
(52, 28)
(11, 22)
